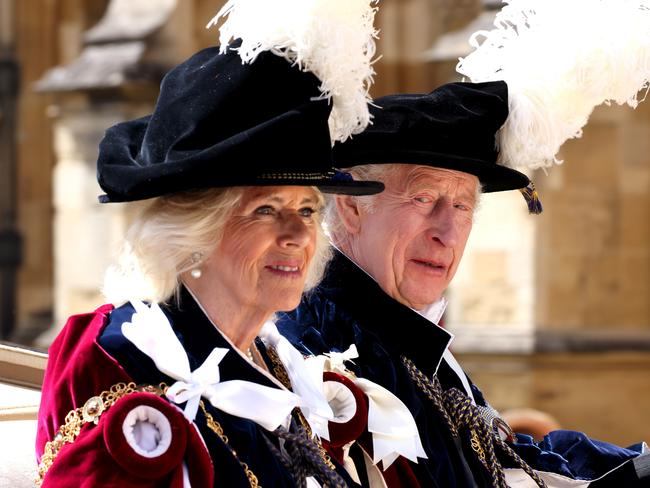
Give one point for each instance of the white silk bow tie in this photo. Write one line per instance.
(393, 428)
(151, 332)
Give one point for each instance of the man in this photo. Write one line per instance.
(396, 254)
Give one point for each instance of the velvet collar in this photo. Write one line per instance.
(196, 333)
(400, 329)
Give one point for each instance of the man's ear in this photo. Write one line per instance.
(347, 207)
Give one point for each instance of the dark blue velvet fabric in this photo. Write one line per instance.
(349, 307)
(199, 337)
(573, 454)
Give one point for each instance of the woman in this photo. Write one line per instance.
(186, 384)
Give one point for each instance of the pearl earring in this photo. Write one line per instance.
(196, 259)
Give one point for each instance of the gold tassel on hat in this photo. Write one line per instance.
(532, 199)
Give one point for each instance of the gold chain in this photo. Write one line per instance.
(217, 429)
(89, 413)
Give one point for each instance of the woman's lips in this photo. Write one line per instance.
(285, 269)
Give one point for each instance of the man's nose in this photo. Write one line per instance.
(444, 225)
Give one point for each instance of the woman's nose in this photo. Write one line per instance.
(294, 232)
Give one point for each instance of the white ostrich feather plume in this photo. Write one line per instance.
(560, 59)
(333, 39)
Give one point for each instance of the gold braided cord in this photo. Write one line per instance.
(90, 412)
(459, 412)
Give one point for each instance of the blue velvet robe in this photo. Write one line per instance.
(199, 337)
(349, 307)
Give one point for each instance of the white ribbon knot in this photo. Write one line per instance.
(151, 332)
(337, 360)
(306, 376)
(393, 428)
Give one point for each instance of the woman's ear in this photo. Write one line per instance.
(347, 207)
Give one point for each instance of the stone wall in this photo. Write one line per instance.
(593, 251)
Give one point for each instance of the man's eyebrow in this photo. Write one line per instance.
(432, 185)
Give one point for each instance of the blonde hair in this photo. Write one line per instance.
(171, 233)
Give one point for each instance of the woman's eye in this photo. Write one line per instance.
(463, 207)
(265, 210)
(307, 212)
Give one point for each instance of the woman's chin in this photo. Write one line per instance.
(287, 302)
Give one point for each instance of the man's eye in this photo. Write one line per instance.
(307, 212)
(265, 210)
(423, 199)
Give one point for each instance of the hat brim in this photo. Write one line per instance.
(493, 177)
(326, 185)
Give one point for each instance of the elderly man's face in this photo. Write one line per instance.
(413, 238)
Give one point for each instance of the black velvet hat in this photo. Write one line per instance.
(218, 123)
(453, 127)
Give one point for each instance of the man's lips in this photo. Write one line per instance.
(436, 266)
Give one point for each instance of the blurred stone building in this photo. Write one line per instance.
(576, 278)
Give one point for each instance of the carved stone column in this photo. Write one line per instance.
(114, 78)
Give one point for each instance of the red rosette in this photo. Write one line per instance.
(350, 407)
(166, 435)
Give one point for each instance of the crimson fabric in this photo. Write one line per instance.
(342, 433)
(120, 449)
(101, 456)
(199, 337)
(453, 127)
(77, 369)
(400, 475)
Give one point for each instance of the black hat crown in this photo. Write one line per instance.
(453, 127)
(219, 122)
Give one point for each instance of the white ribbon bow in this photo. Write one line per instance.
(151, 332)
(306, 376)
(337, 360)
(393, 428)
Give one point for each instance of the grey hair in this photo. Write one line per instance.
(366, 172)
(174, 232)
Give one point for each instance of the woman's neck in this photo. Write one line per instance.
(239, 323)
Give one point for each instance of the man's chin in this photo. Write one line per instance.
(421, 297)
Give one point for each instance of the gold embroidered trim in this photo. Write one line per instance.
(92, 411)
(475, 442)
(293, 176)
(89, 413)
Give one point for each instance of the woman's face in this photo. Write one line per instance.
(267, 245)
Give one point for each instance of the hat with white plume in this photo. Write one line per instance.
(334, 39)
(291, 77)
(560, 59)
